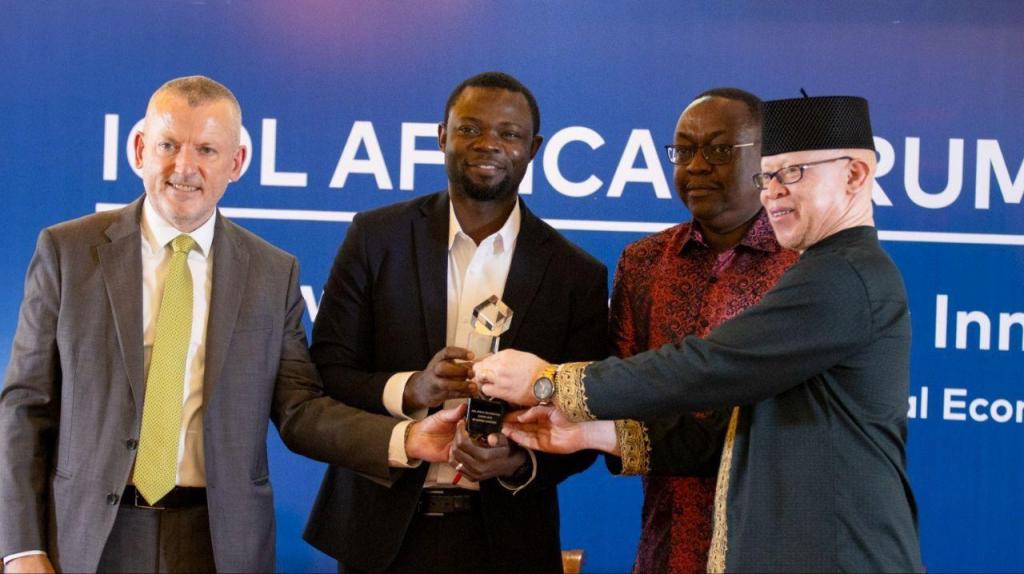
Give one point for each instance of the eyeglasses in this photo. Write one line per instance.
(717, 154)
(789, 174)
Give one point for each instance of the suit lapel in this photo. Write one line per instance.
(230, 277)
(529, 263)
(430, 246)
(121, 265)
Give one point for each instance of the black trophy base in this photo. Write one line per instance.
(483, 416)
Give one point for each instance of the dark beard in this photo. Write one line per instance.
(504, 189)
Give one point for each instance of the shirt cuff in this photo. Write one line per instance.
(397, 457)
(11, 557)
(394, 391)
(634, 447)
(570, 392)
(533, 474)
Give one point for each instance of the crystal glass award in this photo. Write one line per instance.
(491, 318)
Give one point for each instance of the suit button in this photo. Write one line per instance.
(132, 444)
(112, 499)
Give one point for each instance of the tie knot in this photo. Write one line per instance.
(183, 244)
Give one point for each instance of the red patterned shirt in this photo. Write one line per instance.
(668, 286)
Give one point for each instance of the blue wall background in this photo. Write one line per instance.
(943, 78)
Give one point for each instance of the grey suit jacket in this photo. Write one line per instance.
(71, 406)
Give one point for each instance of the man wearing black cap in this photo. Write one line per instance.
(813, 469)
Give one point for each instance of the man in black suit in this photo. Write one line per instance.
(391, 337)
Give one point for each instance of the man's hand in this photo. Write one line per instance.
(509, 375)
(547, 429)
(443, 379)
(30, 563)
(498, 457)
(431, 438)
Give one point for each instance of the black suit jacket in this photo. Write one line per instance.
(384, 311)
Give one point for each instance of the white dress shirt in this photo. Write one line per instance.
(475, 272)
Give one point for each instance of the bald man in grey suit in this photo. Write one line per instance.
(73, 404)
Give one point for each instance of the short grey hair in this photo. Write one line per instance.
(199, 90)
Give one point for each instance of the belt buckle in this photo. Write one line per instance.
(425, 500)
(140, 502)
(443, 502)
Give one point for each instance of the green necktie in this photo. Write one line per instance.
(157, 460)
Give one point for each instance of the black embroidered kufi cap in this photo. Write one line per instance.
(823, 122)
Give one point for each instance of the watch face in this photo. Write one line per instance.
(543, 388)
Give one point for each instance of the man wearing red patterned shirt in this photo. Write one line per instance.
(687, 280)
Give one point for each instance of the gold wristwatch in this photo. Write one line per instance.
(544, 387)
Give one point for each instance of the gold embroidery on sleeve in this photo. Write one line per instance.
(635, 446)
(570, 394)
(720, 533)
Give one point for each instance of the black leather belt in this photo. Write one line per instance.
(178, 497)
(446, 501)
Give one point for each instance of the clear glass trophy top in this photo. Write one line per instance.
(491, 318)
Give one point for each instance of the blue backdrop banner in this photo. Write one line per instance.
(341, 102)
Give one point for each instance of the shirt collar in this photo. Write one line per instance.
(506, 236)
(759, 236)
(157, 232)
